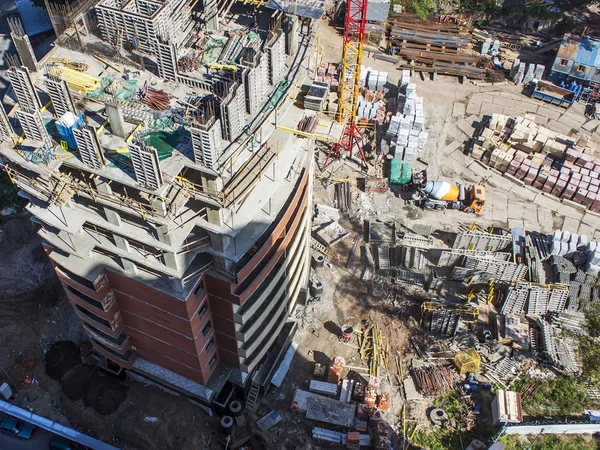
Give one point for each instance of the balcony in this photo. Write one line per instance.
(113, 328)
(105, 308)
(125, 359)
(119, 344)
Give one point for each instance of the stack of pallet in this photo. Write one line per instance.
(328, 73)
(437, 46)
(406, 132)
(554, 163)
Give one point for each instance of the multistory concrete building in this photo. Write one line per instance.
(181, 240)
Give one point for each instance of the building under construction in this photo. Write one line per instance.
(176, 215)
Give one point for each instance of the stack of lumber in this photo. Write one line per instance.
(437, 46)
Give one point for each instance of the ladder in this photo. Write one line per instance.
(251, 400)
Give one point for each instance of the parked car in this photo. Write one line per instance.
(61, 443)
(15, 427)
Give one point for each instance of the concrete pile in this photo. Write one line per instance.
(406, 132)
(536, 156)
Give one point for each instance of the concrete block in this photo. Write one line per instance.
(549, 112)
(473, 107)
(523, 192)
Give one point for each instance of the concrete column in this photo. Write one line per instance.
(159, 207)
(170, 260)
(210, 14)
(290, 27)
(115, 118)
(164, 235)
(213, 215)
(25, 51)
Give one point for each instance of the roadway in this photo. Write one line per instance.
(40, 440)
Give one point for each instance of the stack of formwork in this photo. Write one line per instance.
(535, 300)
(317, 96)
(552, 162)
(406, 132)
(522, 72)
(477, 240)
(328, 73)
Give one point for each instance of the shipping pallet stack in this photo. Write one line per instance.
(438, 47)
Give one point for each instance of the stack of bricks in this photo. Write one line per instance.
(328, 73)
(541, 158)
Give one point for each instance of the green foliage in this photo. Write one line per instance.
(8, 192)
(422, 8)
(447, 438)
(562, 396)
(589, 352)
(566, 25)
(547, 442)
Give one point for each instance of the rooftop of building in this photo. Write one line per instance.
(581, 50)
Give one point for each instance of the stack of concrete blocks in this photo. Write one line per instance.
(406, 132)
(373, 79)
(552, 162)
(488, 47)
(528, 78)
(368, 110)
(328, 73)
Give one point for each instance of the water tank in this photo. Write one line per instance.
(441, 190)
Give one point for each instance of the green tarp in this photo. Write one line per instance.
(400, 172)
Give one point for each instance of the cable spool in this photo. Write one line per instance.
(318, 261)
(227, 424)
(235, 408)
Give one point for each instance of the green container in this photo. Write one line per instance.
(400, 172)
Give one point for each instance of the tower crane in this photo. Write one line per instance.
(354, 36)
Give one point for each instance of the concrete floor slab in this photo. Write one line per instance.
(458, 135)
(479, 169)
(473, 107)
(591, 220)
(570, 224)
(591, 125)
(489, 109)
(541, 120)
(465, 127)
(523, 192)
(459, 109)
(499, 182)
(451, 147)
(544, 218)
(571, 212)
(586, 230)
(515, 210)
(577, 119)
(514, 111)
(549, 112)
(572, 122)
(559, 127)
(516, 223)
(548, 203)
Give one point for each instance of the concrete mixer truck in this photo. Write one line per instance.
(441, 195)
